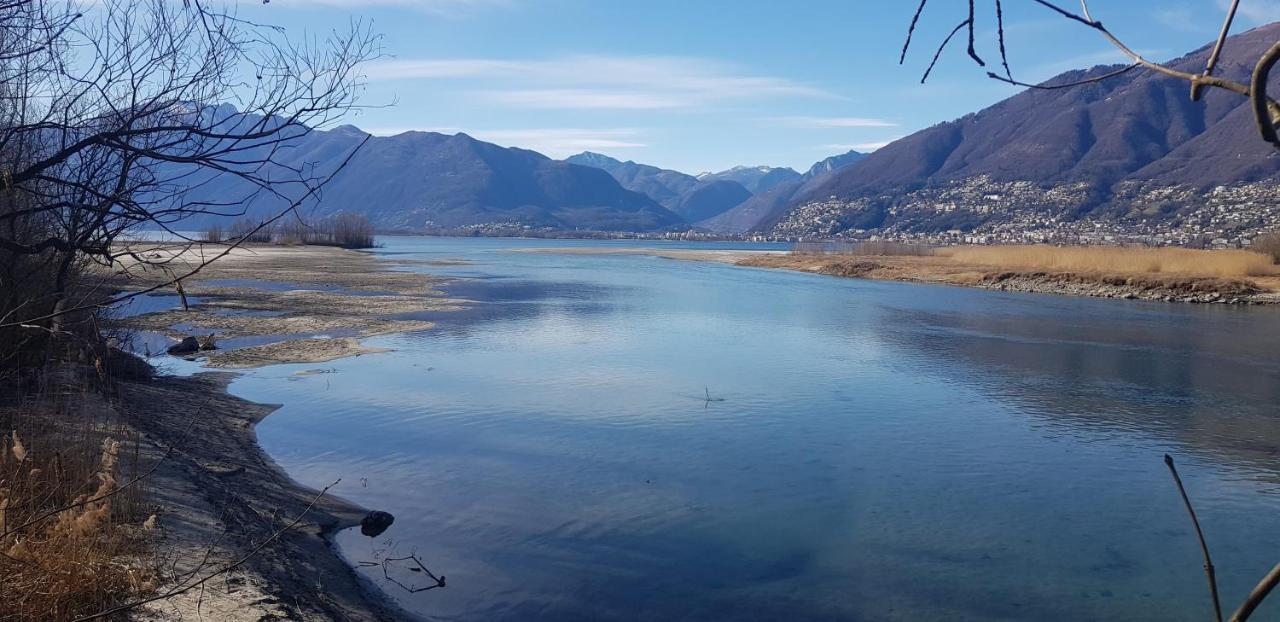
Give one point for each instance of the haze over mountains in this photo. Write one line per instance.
(695, 198)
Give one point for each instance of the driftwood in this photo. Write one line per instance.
(416, 566)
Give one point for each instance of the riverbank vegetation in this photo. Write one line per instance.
(74, 527)
(1260, 261)
(1115, 260)
(1163, 274)
(107, 116)
(346, 230)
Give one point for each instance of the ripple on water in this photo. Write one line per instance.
(883, 451)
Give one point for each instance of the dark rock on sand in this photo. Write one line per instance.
(186, 346)
(376, 522)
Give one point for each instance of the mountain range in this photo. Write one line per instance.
(732, 200)
(417, 181)
(756, 179)
(426, 180)
(1132, 148)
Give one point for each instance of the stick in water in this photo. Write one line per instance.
(1204, 548)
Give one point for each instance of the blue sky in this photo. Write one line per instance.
(706, 85)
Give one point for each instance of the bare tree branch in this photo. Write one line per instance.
(1258, 594)
(1204, 547)
(1266, 110)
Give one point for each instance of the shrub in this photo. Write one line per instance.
(1268, 244)
(214, 234)
(250, 230)
(346, 230)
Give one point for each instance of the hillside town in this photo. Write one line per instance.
(979, 210)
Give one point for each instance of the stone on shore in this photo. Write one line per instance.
(186, 346)
(376, 522)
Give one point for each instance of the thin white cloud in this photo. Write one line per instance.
(444, 8)
(1179, 17)
(1256, 11)
(588, 99)
(834, 122)
(604, 82)
(553, 142)
(562, 142)
(427, 69)
(863, 147)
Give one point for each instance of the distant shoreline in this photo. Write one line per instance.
(1131, 285)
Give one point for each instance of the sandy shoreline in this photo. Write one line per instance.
(936, 270)
(219, 495)
(301, 304)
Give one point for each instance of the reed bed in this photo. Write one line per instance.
(73, 522)
(1117, 260)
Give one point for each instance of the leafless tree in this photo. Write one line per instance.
(1266, 110)
(114, 116)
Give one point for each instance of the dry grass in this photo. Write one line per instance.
(1268, 244)
(71, 529)
(1117, 260)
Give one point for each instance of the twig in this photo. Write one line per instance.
(942, 47)
(911, 31)
(439, 581)
(1067, 85)
(1217, 49)
(1204, 548)
(292, 209)
(972, 52)
(1256, 597)
(1264, 111)
(1004, 56)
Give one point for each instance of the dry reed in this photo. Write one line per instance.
(1116, 260)
(1268, 244)
(71, 534)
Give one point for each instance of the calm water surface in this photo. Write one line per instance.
(872, 451)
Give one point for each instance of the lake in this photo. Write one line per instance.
(626, 437)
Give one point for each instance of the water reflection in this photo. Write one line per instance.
(884, 451)
(495, 299)
(1187, 375)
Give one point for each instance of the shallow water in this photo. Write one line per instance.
(288, 286)
(870, 451)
